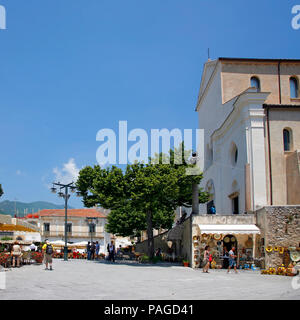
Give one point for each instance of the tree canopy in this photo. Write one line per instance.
(142, 197)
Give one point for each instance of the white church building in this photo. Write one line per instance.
(244, 107)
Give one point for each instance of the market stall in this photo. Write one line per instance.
(219, 237)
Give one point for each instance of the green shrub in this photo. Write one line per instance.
(145, 259)
(156, 259)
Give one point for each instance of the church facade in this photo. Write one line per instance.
(250, 112)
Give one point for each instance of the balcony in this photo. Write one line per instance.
(73, 234)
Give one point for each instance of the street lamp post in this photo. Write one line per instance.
(195, 188)
(195, 203)
(66, 195)
(90, 221)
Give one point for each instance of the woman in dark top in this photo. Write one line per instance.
(225, 258)
(206, 260)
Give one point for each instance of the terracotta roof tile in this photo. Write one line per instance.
(72, 213)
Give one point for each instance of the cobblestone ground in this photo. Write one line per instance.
(81, 279)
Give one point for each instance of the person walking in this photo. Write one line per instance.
(97, 249)
(111, 251)
(48, 251)
(225, 258)
(206, 260)
(232, 262)
(88, 249)
(16, 254)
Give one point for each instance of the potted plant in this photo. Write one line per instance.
(3, 259)
(37, 256)
(185, 263)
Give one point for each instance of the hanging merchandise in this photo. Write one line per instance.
(269, 249)
(211, 243)
(217, 236)
(226, 240)
(205, 236)
(295, 256)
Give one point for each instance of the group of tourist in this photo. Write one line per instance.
(229, 259)
(93, 249)
(15, 252)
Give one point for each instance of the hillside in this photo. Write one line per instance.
(8, 207)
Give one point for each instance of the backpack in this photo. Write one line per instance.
(49, 249)
(210, 259)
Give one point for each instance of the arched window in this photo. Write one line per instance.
(255, 83)
(210, 189)
(294, 88)
(287, 139)
(234, 154)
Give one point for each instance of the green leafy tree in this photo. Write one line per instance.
(143, 197)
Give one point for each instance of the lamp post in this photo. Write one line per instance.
(195, 188)
(195, 202)
(66, 195)
(90, 221)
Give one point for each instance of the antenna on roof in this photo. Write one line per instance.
(208, 53)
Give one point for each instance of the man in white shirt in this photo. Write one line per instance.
(232, 262)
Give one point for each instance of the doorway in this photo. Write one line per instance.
(229, 241)
(235, 205)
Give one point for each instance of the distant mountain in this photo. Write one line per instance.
(10, 207)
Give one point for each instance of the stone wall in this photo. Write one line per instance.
(5, 219)
(186, 241)
(25, 224)
(180, 236)
(160, 241)
(280, 227)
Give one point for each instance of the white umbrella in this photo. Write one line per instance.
(58, 243)
(79, 244)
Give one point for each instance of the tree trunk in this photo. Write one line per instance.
(150, 235)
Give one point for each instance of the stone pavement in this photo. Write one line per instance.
(81, 279)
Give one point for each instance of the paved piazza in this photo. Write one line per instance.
(81, 279)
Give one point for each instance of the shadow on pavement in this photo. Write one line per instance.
(137, 264)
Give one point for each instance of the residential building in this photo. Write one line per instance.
(82, 225)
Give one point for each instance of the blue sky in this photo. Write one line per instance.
(70, 68)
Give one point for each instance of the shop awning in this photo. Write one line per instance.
(14, 227)
(229, 228)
